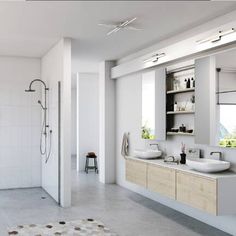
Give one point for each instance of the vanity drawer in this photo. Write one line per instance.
(197, 191)
(161, 180)
(136, 172)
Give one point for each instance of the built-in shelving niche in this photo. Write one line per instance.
(177, 92)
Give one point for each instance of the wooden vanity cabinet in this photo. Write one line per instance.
(213, 195)
(136, 172)
(197, 191)
(161, 180)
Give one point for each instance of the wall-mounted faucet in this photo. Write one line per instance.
(219, 153)
(154, 144)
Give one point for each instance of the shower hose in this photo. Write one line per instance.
(44, 136)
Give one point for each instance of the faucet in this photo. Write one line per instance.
(154, 144)
(220, 154)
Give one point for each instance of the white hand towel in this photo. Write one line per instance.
(125, 145)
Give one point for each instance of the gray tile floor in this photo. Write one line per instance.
(125, 212)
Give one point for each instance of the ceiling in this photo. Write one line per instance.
(31, 28)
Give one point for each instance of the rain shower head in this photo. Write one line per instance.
(33, 90)
(29, 90)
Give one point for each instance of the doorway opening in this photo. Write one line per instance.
(85, 121)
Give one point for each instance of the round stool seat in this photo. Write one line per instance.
(88, 156)
(95, 164)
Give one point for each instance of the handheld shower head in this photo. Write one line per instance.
(40, 103)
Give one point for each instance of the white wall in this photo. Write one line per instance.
(20, 120)
(107, 104)
(88, 109)
(56, 66)
(73, 120)
(128, 119)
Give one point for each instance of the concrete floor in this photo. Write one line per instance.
(125, 212)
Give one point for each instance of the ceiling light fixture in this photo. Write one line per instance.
(216, 38)
(155, 57)
(121, 25)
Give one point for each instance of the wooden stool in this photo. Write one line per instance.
(95, 164)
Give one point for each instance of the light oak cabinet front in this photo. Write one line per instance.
(136, 172)
(161, 180)
(197, 191)
(212, 195)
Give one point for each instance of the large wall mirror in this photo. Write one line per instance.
(226, 99)
(148, 105)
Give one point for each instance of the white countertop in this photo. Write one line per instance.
(181, 167)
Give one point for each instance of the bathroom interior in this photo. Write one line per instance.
(180, 133)
(161, 121)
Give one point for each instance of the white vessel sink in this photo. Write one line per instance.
(207, 165)
(147, 154)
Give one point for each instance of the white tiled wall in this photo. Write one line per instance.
(20, 119)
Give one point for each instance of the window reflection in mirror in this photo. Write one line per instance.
(227, 129)
(148, 105)
(226, 98)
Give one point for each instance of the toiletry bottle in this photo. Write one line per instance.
(193, 82)
(175, 106)
(182, 154)
(175, 84)
(182, 128)
(188, 83)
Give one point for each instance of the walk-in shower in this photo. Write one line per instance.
(46, 132)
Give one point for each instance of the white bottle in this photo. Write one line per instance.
(175, 106)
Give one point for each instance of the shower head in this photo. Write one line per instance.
(36, 80)
(29, 90)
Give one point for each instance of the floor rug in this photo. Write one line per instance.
(88, 227)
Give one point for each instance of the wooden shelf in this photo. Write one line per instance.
(180, 133)
(181, 91)
(179, 112)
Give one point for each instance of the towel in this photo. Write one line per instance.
(125, 145)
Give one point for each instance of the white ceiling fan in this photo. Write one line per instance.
(119, 26)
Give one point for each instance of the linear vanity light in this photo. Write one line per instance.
(155, 57)
(217, 37)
